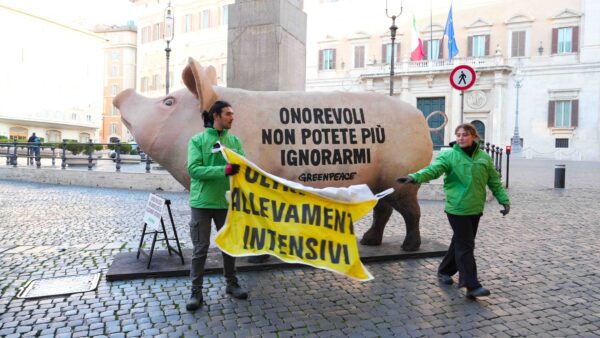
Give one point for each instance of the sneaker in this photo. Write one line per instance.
(477, 292)
(236, 291)
(195, 301)
(446, 279)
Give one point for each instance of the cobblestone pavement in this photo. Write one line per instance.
(540, 262)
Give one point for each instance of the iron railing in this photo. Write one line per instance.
(34, 152)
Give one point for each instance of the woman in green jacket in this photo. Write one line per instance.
(209, 174)
(468, 170)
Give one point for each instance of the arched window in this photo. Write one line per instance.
(84, 137)
(480, 128)
(18, 133)
(53, 136)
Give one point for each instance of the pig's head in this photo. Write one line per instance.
(163, 125)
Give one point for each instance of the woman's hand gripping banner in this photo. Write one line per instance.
(298, 224)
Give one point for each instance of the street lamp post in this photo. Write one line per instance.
(393, 30)
(168, 36)
(516, 139)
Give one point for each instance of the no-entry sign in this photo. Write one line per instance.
(462, 77)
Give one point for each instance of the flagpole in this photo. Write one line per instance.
(430, 49)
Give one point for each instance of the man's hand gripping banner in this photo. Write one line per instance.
(297, 224)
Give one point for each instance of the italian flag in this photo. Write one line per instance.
(416, 43)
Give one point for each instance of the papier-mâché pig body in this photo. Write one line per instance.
(319, 139)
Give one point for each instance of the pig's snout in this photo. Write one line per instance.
(122, 97)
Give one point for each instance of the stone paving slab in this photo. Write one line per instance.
(126, 265)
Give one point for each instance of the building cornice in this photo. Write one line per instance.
(47, 124)
(80, 30)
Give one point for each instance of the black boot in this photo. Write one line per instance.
(195, 301)
(235, 290)
(258, 259)
(477, 292)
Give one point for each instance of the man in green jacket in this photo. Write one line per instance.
(468, 170)
(209, 173)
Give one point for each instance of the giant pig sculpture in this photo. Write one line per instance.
(318, 138)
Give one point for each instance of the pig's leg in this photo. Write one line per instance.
(408, 206)
(381, 214)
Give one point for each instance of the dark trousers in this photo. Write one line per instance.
(460, 255)
(200, 227)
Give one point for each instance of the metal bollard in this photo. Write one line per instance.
(559, 176)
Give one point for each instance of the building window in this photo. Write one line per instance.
(478, 45)
(144, 84)
(53, 136)
(114, 89)
(359, 56)
(115, 55)
(224, 15)
(432, 50)
(145, 34)
(114, 70)
(518, 44)
(224, 73)
(157, 31)
(88, 118)
(561, 143)
(113, 128)
(386, 52)
(563, 114)
(565, 40)
(327, 59)
(113, 110)
(205, 22)
(84, 137)
(156, 82)
(187, 23)
(73, 116)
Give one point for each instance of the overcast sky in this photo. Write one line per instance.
(84, 13)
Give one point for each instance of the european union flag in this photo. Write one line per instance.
(452, 49)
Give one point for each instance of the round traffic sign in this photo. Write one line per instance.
(462, 77)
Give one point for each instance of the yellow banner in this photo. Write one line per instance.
(297, 224)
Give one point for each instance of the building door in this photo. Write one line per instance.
(480, 128)
(427, 106)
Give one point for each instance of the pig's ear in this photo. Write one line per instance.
(211, 74)
(188, 80)
(197, 81)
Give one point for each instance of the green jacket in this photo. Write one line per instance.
(207, 169)
(465, 180)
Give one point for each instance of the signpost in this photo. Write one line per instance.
(153, 212)
(462, 78)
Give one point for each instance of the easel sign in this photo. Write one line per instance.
(153, 212)
(154, 225)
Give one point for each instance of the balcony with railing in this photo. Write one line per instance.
(441, 65)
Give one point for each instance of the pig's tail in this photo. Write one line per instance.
(208, 119)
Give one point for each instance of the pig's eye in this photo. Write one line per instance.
(169, 101)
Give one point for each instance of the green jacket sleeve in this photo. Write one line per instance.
(495, 184)
(199, 170)
(432, 171)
